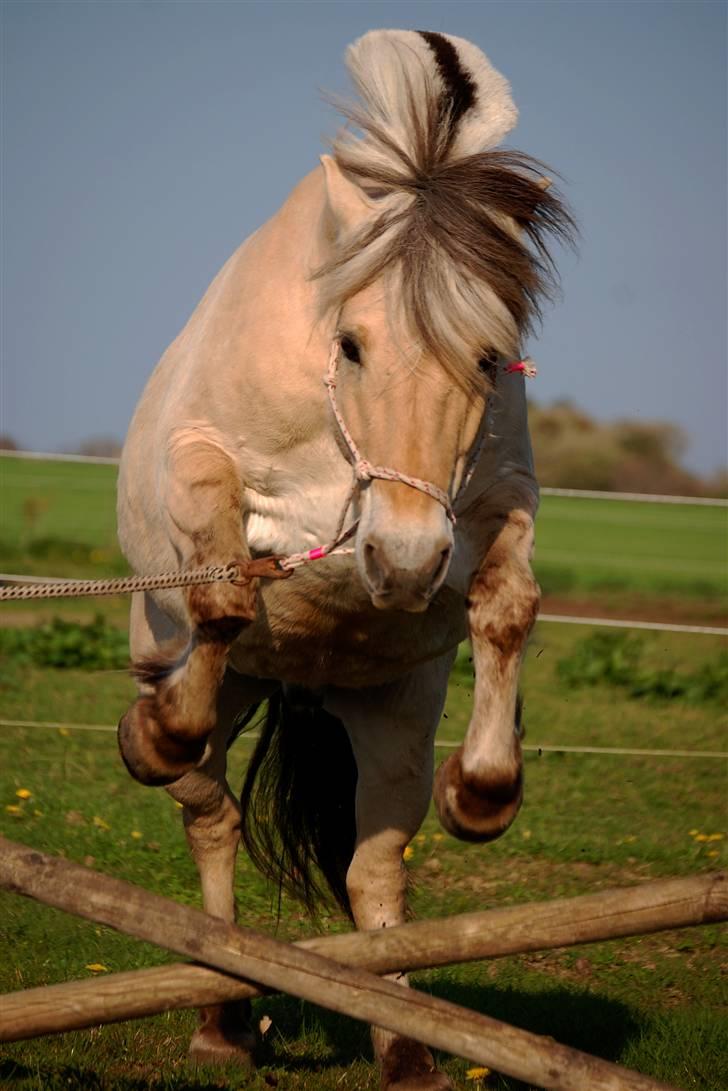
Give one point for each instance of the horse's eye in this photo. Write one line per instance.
(488, 362)
(350, 349)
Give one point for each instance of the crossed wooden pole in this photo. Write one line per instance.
(340, 972)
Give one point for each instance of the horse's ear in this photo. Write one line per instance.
(347, 205)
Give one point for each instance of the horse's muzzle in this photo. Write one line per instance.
(404, 577)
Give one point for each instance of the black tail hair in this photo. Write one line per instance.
(298, 819)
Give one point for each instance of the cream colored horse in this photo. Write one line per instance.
(417, 251)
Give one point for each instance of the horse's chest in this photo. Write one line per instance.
(318, 628)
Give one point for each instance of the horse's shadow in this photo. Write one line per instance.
(304, 1038)
(577, 1018)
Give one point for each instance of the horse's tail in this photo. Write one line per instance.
(426, 99)
(298, 820)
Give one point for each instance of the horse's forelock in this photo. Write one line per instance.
(463, 239)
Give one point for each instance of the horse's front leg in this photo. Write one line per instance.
(165, 732)
(391, 730)
(478, 789)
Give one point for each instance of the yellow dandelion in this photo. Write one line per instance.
(713, 852)
(438, 837)
(13, 808)
(715, 836)
(23, 793)
(100, 823)
(693, 833)
(701, 837)
(408, 853)
(64, 731)
(526, 835)
(421, 838)
(477, 1073)
(97, 967)
(136, 834)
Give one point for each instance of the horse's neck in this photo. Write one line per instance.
(278, 418)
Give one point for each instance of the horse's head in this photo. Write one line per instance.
(433, 258)
(404, 414)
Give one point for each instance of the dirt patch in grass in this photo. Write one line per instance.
(676, 609)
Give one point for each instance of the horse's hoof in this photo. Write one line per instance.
(476, 810)
(224, 1036)
(152, 756)
(409, 1066)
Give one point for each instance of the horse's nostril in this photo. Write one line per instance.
(439, 573)
(375, 570)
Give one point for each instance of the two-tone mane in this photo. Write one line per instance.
(458, 230)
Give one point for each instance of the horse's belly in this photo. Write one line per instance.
(319, 628)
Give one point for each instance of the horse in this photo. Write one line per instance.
(352, 374)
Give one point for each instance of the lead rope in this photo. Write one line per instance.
(28, 587)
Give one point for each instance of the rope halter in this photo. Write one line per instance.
(364, 470)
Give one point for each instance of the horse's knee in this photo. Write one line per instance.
(153, 753)
(164, 733)
(478, 807)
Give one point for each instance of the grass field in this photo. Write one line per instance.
(589, 822)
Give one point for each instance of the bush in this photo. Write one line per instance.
(68, 644)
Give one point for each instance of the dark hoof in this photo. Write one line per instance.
(476, 810)
(409, 1066)
(224, 1036)
(151, 755)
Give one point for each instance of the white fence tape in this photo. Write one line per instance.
(620, 623)
(587, 494)
(445, 743)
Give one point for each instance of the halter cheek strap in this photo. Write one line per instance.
(364, 470)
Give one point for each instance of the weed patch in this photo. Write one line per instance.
(616, 659)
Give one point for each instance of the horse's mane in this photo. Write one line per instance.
(459, 230)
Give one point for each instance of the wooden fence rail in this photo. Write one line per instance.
(302, 971)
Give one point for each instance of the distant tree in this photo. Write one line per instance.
(717, 483)
(7, 443)
(100, 447)
(574, 451)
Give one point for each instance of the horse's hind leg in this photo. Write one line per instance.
(164, 733)
(212, 825)
(478, 789)
(391, 730)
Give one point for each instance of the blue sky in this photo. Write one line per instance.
(142, 141)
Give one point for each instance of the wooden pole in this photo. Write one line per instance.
(652, 907)
(304, 973)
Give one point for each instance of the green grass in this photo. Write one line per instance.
(618, 544)
(588, 822)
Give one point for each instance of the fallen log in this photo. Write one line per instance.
(652, 907)
(306, 974)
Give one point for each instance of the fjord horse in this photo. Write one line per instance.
(414, 260)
